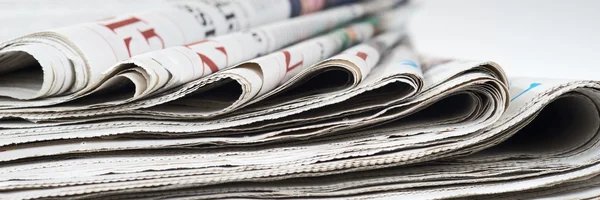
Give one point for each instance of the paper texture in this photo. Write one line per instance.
(71, 60)
(231, 99)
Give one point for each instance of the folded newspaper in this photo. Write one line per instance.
(281, 99)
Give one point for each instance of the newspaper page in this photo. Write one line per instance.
(361, 26)
(406, 80)
(529, 149)
(208, 56)
(364, 155)
(530, 168)
(360, 31)
(168, 62)
(167, 68)
(64, 61)
(250, 79)
(357, 62)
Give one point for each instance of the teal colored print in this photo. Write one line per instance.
(410, 63)
(533, 85)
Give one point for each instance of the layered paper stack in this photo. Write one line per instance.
(281, 99)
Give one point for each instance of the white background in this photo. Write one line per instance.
(541, 38)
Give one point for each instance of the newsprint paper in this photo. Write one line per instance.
(205, 99)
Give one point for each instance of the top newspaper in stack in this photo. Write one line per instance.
(162, 70)
(76, 58)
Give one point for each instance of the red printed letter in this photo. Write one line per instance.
(127, 29)
(362, 55)
(209, 52)
(287, 61)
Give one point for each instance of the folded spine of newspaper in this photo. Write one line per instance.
(158, 71)
(527, 171)
(305, 159)
(356, 61)
(511, 166)
(398, 68)
(252, 81)
(338, 38)
(66, 60)
(166, 70)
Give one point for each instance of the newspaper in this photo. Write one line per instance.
(311, 152)
(360, 30)
(393, 71)
(329, 44)
(53, 66)
(204, 57)
(345, 108)
(505, 164)
(65, 131)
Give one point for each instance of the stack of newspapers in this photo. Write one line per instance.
(204, 99)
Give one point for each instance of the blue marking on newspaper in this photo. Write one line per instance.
(533, 85)
(410, 63)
